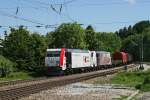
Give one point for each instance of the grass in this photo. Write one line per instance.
(148, 63)
(137, 79)
(17, 76)
(128, 78)
(121, 98)
(24, 75)
(140, 80)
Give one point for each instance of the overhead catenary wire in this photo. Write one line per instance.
(38, 26)
(67, 14)
(48, 4)
(117, 22)
(108, 4)
(82, 5)
(54, 25)
(2, 13)
(24, 7)
(68, 2)
(62, 5)
(17, 8)
(88, 4)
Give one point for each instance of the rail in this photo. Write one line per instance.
(24, 89)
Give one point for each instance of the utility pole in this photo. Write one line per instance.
(141, 55)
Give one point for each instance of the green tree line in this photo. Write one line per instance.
(135, 38)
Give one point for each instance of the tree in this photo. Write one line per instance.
(90, 38)
(146, 44)
(16, 48)
(69, 35)
(1, 46)
(124, 33)
(130, 31)
(27, 50)
(38, 46)
(132, 45)
(109, 42)
(138, 28)
(6, 66)
(50, 40)
(141, 26)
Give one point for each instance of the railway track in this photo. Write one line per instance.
(20, 81)
(13, 92)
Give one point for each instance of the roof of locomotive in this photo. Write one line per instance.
(53, 49)
(70, 50)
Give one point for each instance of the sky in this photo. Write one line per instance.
(103, 15)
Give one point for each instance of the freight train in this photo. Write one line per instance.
(65, 61)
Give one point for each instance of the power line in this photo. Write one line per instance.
(24, 7)
(48, 4)
(110, 3)
(16, 17)
(71, 1)
(39, 2)
(37, 26)
(54, 25)
(68, 2)
(81, 24)
(117, 22)
(2, 13)
(67, 14)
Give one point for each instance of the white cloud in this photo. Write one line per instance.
(131, 1)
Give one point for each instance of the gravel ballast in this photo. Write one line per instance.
(82, 91)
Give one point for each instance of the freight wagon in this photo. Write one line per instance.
(119, 58)
(103, 59)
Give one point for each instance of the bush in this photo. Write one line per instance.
(6, 66)
(138, 86)
(145, 85)
(146, 80)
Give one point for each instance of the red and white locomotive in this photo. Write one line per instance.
(60, 60)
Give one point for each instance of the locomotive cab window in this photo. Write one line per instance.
(53, 54)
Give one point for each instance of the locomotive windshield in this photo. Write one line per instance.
(53, 53)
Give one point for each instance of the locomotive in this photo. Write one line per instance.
(62, 61)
